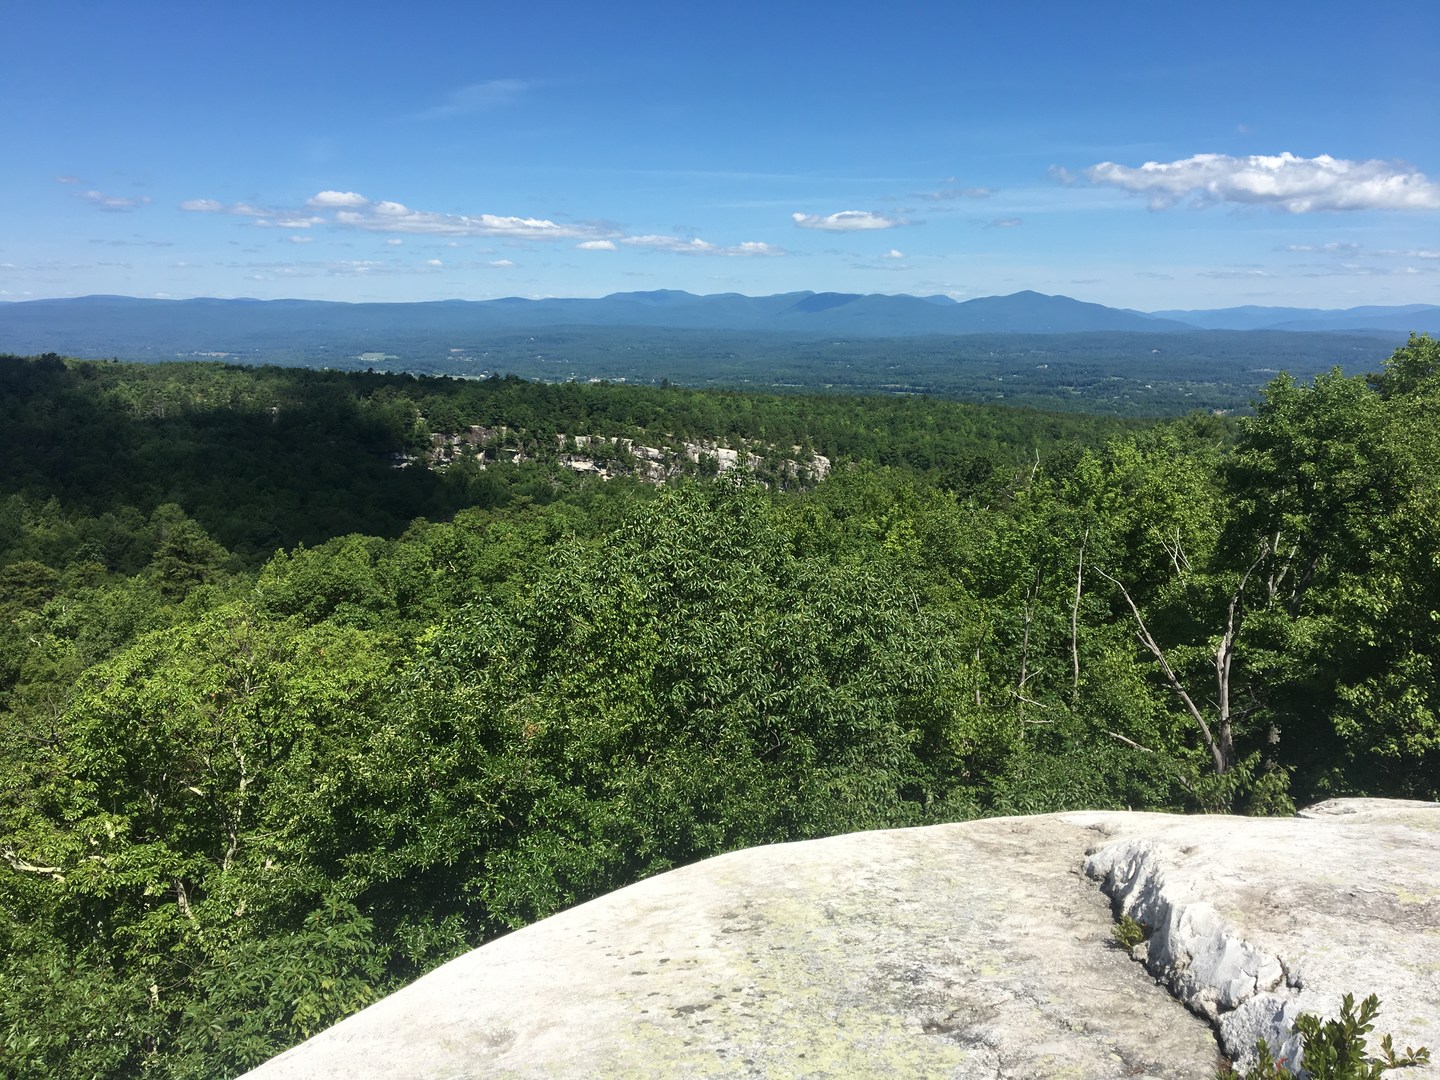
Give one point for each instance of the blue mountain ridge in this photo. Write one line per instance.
(95, 319)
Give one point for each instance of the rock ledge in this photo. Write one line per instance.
(980, 949)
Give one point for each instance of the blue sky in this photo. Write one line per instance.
(1139, 155)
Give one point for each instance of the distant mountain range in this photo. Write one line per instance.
(120, 324)
(1420, 318)
(1049, 352)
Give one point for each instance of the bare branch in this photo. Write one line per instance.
(17, 863)
(1179, 776)
(1217, 753)
(1129, 742)
(1038, 705)
(1178, 558)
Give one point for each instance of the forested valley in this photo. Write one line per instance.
(300, 698)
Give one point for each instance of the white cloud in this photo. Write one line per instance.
(67, 179)
(596, 245)
(394, 241)
(1004, 223)
(502, 263)
(894, 253)
(1296, 184)
(846, 221)
(292, 222)
(301, 239)
(203, 206)
(477, 97)
(696, 246)
(334, 199)
(433, 262)
(113, 202)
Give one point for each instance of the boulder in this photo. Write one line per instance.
(980, 949)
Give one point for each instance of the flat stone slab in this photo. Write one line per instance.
(981, 949)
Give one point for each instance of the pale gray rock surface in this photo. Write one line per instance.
(980, 949)
(1256, 920)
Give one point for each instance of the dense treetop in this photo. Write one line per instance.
(283, 725)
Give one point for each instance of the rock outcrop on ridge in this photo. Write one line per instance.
(980, 949)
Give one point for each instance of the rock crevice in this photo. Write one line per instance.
(1310, 894)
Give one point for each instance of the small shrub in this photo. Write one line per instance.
(1335, 1049)
(1128, 932)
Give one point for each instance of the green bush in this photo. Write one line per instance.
(1128, 932)
(1335, 1049)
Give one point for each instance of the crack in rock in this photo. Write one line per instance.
(1246, 993)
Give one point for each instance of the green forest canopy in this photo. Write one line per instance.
(283, 726)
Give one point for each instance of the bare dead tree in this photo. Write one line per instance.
(1219, 738)
(1075, 618)
(1029, 616)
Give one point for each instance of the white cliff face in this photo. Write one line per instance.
(968, 950)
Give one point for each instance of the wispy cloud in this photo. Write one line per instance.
(278, 219)
(352, 210)
(1240, 273)
(476, 98)
(696, 246)
(134, 243)
(394, 217)
(1296, 184)
(949, 194)
(240, 209)
(846, 221)
(1332, 248)
(1352, 250)
(115, 203)
(1004, 223)
(355, 211)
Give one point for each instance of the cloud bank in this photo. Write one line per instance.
(1296, 184)
(351, 210)
(394, 217)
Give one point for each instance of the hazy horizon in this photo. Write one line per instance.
(1192, 159)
